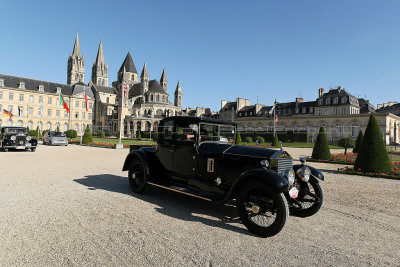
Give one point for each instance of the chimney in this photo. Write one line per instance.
(299, 99)
(223, 103)
(321, 91)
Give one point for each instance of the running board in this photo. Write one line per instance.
(180, 190)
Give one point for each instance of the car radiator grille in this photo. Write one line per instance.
(20, 140)
(284, 164)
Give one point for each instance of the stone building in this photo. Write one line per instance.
(339, 112)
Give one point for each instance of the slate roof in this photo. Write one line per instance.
(228, 106)
(338, 92)
(135, 90)
(128, 64)
(247, 108)
(106, 89)
(307, 104)
(387, 108)
(155, 87)
(33, 85)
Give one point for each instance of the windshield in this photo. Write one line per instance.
(15, 130)
(58, 134)
(217, 132)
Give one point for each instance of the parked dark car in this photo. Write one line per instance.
(12, 137)
(198, 157)
(55, 138)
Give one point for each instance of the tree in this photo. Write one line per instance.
(249, 139)
(321, 147)
(102, 134)
(346, 143)
(238, 139)
(373, 156)
(87, 136)
(139, 136)
(275, 141)
(58, 128)
(71, 133)
(359, 140)
(260, 139)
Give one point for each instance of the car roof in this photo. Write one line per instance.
(199, 120)
(13, 127)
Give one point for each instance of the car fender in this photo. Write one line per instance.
(314, 172)
(140, 154)
(273, 179)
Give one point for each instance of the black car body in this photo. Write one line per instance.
(12, 137)
(198, 156)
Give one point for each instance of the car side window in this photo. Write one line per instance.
(185, 133)
(166, 131)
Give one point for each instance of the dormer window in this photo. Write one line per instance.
(41, 88)
(320, 102)
(335, 100)
(328, 101)
(344, 100)
(58, 90)
(1, 82)
(22, 85)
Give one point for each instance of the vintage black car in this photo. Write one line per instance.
(12, 137)
(198, 157)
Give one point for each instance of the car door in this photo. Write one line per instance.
(46, 137)
(165, 146)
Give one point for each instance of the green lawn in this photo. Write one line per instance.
(292, 144)
(116, 141)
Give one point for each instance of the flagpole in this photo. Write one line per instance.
(122, 104)
(274, 117)
(84, 92)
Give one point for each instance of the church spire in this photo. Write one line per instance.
(100, 54)
(100, 68)
(164, 80)
(144, 73)
(178, 95)
(77, 50)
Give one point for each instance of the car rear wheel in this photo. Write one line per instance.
(137, 176)
(261, 210)
(33, 149)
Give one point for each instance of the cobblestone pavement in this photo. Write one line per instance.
(73, 206)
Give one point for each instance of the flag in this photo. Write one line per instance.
(41, 110)
(124, 97)
(276, 119)
(27, 111)
(62, 102)
(19, 111)
(7, 113)
(84, 91)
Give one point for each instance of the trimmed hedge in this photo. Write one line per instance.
(321, 148)
(359, 140)
(71, 133)
(373, 156)
(87, 136)
(238, 139)
(275, 141)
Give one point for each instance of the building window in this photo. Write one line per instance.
(319, 112)
(328, 101)
(251, 113)
(1, 82)
(10, 108)
(320, 102)
(343, 111)
(354, 130)
(77, 104)
(11, 96)
(65, 127)
(297, 110)
(76, 115)
(83, 104)
(335, 100)
(303, 110)
(41, 88)
(151, 98)
(31, 98)
(1, 95)
(40, 99)
(58, 90)
(30, 110)
(338, 130)
(90, 105)
(20, 111)
(65, 114)
(21, 97)
(311, 109)
(90, 116)
(57, 113)
(48, 126)
(108, 100)
(30, 124)
(22, 85)
(158, 98)
(344, 100)
(83, 115)
(49, 100)
(335, 111)
(49, 112)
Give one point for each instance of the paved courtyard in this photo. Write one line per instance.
(73, 206)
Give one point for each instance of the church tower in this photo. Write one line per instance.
(178, 95)
(76, 65)
(100, 68)
(144, 79)
(164, 80)
(131, 75)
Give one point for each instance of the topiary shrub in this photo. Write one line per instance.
(260, 139)
(71, 133)
(373, 156)
(58, 128)
(138, 135)
(38, 133)
(275, 141)
(346, 142)
(44, 132)
(32, 133)
(87, 136)
(238, 139)
(249, 139)
(102, 134)
(359, 140)
(321, 147)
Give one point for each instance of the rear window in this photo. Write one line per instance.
(58, 134)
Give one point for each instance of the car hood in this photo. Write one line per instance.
(256, 152)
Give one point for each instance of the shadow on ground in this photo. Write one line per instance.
(170, 203)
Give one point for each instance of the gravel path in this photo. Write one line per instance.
(73, 206)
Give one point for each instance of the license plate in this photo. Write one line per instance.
(293, 193)
(20, 147)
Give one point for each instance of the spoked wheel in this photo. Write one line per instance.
(137, 176)
(262, 211)
(311, 198)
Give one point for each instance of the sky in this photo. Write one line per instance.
(218, 50)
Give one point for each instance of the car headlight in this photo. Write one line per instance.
(289, 174)
(304, 174)
(265, 163)
(28, 138)
(13, 137)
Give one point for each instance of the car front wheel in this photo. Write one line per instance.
(311, 198)
(261, 210)
(137, 176)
